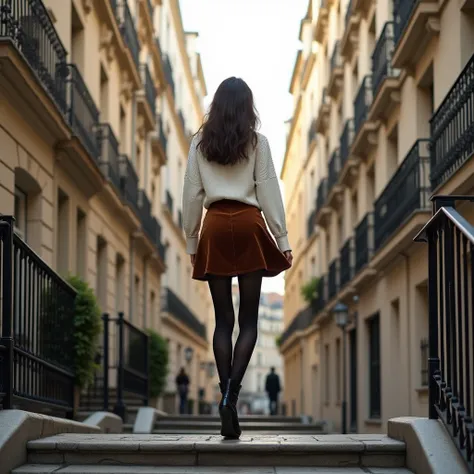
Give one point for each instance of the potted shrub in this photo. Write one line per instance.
(309, 290)
(157, 366)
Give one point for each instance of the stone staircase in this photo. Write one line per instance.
(252, 424)
(204, 454)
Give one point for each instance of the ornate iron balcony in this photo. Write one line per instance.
(334, 168)
(300, 322)
(174, 305)
(347, 262)
(82, 113)
(149, 86)
(129, 34)
(362, 103)
(402, 10)
(452, 128)
(168, 69)
(311, 222)
(322, 194)
(364, 241)
(333, 278)
(406, 192)
(382, 57)
(129, 183)
(346, 141)
(146, 218)
(27, 24)
(109, 153)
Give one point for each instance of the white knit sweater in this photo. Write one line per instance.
(253, 181)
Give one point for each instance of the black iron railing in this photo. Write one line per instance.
(149, 86)
(452, 128)
(27, 24)
(347, 262)
(300, 322)
(336, 60)
(149, 223)
(168, 69)
(129, 33)
(37, 329)
(129, 183)
(407, 192)
(322, 297)
(402, 10)
(346, 141)
(169, 202)
(382, 57)
(82, 113)
(334, 168)
(109, 153)
(311, 224)
(322, 194)
(450, 239)
(175, 306)
(362, 103)
(364, 241)
(424, 361)
(333, 278)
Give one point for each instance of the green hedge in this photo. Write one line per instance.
(158, 363)
(309, 290)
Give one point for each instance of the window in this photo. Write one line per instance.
(81, 242)
(62, 245)
(119, 283)
(374, 367)
(20, 212)
(136, 298)
(101, 276)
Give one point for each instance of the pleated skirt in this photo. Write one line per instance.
(235, 240)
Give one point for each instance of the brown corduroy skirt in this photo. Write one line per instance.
(235, 240)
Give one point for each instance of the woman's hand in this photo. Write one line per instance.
(193, 259)
(289, 256)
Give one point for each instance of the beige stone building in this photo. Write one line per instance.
(98, 101)
(383, 95)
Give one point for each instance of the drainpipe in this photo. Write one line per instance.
(132, 277)
(145, 291)
(133, 151)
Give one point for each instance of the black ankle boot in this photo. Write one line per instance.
(230, 427)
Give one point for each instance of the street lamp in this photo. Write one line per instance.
(188, 354)
(341, 317)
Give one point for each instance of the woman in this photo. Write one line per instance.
(231, 173)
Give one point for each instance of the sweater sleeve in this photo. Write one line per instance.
(269, 194)
(193, 197)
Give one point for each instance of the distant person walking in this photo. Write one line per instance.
(182, 383)
(272, 387)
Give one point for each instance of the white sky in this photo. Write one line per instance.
(256, 40)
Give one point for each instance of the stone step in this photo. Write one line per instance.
(203, 450)
(164, 424)
(100, 469)
(256, 418)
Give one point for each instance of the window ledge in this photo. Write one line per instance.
(373, 422)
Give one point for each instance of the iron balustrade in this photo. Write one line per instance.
(169, 202)
(300, 322)
(333, 278)
(336, 59)
(407, 192)
(311, 224)
(347, 262)
(364, 241)
(382, 57)
(149, 223)
(346, 141)
(82, 113)
(129, 183)
(149, 86)
(334, 168)
(424, 361)
(28, 25)
(129, 33)
(109, 153)
(175, 306)
(402, 11)
(323, 192)
(452, 128)
(362, 103)
(168, 70)
(450, 239)
(37, 330)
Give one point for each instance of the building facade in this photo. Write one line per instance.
(266, 354)
(98, 103)
(382, 92)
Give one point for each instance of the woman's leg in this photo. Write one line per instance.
(249, 286)
(221, 292)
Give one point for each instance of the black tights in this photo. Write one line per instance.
(250, 285)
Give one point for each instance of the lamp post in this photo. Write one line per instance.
(188, 354)
(341, 317)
